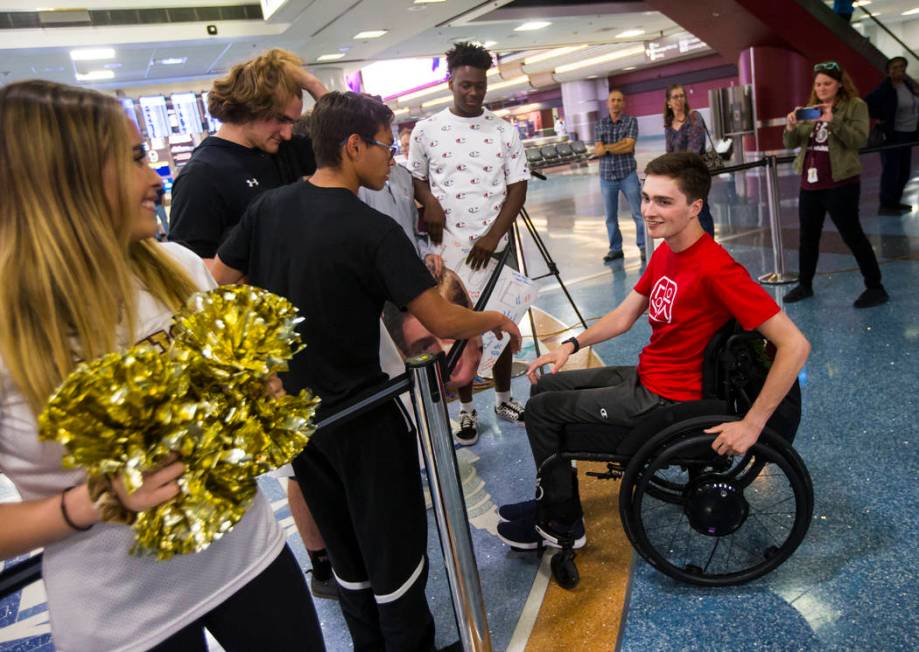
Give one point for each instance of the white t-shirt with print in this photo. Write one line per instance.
(469, 162)
(99, 596)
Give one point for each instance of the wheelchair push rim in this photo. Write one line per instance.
(727, 528)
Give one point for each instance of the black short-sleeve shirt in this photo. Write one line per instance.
(338, 261)
(219, 182)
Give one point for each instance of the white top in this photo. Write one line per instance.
(469, 163)
(99, 596)
(907, 109)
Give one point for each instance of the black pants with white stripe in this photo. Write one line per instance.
(362, 483)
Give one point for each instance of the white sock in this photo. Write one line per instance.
(467, 407)
(502, 397)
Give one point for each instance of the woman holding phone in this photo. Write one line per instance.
(684, 131)
(83, 276)
(829, 133)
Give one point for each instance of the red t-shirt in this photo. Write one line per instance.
(691, 295)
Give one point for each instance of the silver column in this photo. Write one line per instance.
(428, 398)
(779, 276)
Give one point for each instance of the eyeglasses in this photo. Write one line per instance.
(393, 148)
(826, 65)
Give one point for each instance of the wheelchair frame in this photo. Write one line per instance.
(712, 498)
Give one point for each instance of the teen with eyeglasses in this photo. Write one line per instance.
(830, 170)
(338, 260)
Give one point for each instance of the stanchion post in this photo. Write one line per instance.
(778, 276)
(429, 400)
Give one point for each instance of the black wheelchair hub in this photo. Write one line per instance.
(715, 505)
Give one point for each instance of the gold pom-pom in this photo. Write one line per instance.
(204, 401)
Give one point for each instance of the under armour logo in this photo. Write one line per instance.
(252, 183)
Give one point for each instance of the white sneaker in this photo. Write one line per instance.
(510, 411)
(468, 434)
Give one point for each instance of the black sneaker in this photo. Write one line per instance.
(871, 297)
(468, 434)
(511, 411)
(798, 293)
(326, 589)
(515, 511)
(525, 534)
(613, 255)
(908, 208)
(893, 209)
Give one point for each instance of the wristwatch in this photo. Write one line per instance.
(574, 342)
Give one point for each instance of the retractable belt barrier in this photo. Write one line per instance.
(778, 276)
(424, 378)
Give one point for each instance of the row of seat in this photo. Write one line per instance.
(556, 154)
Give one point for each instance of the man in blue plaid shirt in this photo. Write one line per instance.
(614, 139)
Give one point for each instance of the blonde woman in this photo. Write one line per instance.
(83, 276)
(830, 172)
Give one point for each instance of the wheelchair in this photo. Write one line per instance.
(694, 515)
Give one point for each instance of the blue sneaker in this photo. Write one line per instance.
(516, 511)
(525, 534)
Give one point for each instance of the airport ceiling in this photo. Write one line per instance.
(150, 50)
(167, 41)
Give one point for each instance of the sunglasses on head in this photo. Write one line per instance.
(827, 65)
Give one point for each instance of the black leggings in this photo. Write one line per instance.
(274, 611)
(842, 205)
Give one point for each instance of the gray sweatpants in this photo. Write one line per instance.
(607, 395)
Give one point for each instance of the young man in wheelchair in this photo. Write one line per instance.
(691, 288)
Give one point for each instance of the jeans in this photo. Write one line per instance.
(631, 188)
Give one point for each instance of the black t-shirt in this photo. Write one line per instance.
(338, 261)
(221, 179)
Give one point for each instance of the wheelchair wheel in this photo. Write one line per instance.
(727, 527)
(669, 484)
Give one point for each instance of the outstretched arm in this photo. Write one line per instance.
(447, 320)
(614, 323)
(792, 349)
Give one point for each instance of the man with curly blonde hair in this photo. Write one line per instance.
(258, 102)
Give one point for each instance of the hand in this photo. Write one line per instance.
(599, 149)
(827, 115)
(791, 120)
(434, 220)
(482, 250)
(734, 437)
(557, 358)
(509, 327)
(306, 80)
(435, 265)
(158, 487)
(274, 387)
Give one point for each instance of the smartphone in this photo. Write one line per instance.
(809, 113)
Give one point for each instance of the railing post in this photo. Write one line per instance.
(429, 400)
(779, 276)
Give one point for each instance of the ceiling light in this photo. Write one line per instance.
(331, 57)
(532, 25)
(612, 56)
(401, 111)
(501, 112)
(489, 44)
(630, 67)
(908, 13)
(373, 33)
(630, 33)
(92, 54)
(171, 61)
(551, 54)
(428, 2)
(861, 3)
(96, 75)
